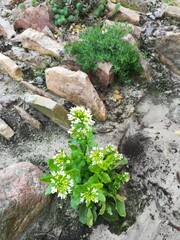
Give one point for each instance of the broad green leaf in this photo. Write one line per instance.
(52, 166)
(95, 168)
(83, 214)
(104, 177)
(108, 162)
(110, 213)
(94, 208)
(89, 217)
(101, 197)
(46, 178)
(75, 201)
(103, 208)
(120, 207)
(75, 174)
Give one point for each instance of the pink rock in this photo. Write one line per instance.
(103, 75)
(21, 198)
(36, 18)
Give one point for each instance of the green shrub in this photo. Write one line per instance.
(106, 45)
(88, 174)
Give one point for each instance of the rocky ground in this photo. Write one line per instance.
(143, 120)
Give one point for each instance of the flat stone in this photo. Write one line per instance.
(22, 198)
(50, 108)
(173, 11)
(5, 130)
(125, 14)
(168, 48)
(6, 29)
(38, 41)
(76, 87)
(10, 67)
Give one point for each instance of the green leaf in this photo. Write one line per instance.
(46, 178)
(75, 201)
(95, 168)
(83, 214)
(101, 196)
(52, 166)
(103, 208)
(104, 177)
(89, 217)
(75, 174)
(108, 162)
(110, 213)
(120, 207)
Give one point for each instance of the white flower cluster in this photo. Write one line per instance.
(96, 156)
(60, 158)
(91, 195)
(62, 183)
(81, 120)
(125, 177)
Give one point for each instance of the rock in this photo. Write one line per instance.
(135, 30)
(130, 39)
(22, 197)
(36, 18)
(76, 87)
(38, 41)
(6, 100)
(158, 13)
(50, 108)
(173, 11)
(125, 14)
(138, 5)
(28, 118)
(174, 114)
(5, 130)
(146, 68)
(30, 57)
(168, 48)
(6, 29)
(10, 67)
(176, 3)
(103, 75)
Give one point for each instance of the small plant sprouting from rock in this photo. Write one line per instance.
(72, 11)
(89, 174)
(107, 45)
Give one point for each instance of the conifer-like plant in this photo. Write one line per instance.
(89, 174)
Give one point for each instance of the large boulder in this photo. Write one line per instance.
(21, 198)
(38, 41)
(76, 87)
(36, 18)
(10, 67)
(168, 48)
(50, 108)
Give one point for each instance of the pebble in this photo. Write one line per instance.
(39, 80)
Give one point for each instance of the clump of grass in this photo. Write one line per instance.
(107, 45)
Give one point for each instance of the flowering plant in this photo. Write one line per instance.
(88, 174)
